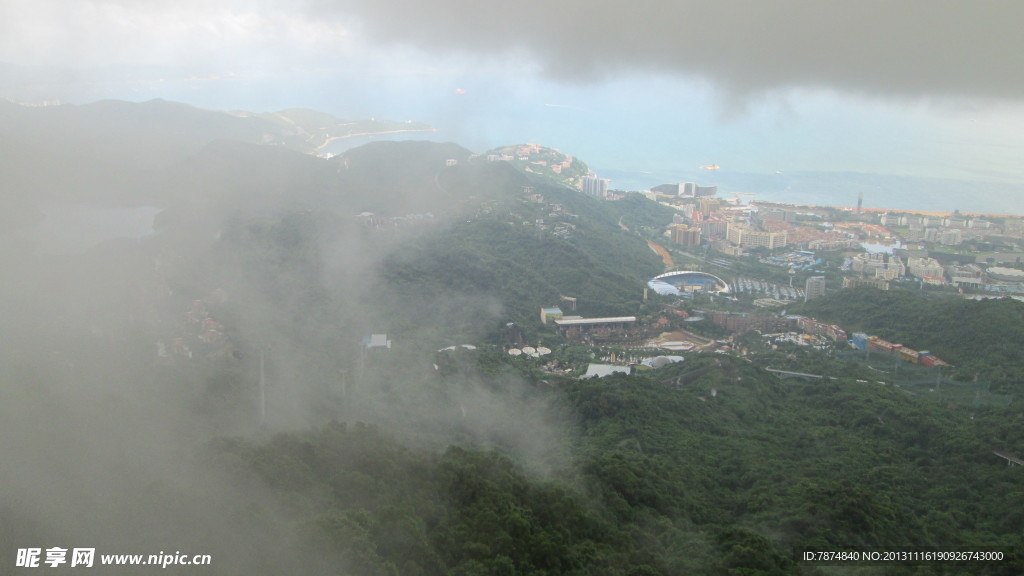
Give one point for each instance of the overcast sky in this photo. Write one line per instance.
(915, 87)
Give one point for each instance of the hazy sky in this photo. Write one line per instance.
(911, 87)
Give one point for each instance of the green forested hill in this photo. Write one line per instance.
(603, 267)
(486, 253)
(731, 472)
(206, 389)
(511, 256)
(980, 339)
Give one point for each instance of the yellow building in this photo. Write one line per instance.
(684, 235)
(749, 238)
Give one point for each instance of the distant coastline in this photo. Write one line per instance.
(879, 210)
(331, 139)
(908, 194)
(904, 193)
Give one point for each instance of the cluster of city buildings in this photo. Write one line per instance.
(947, 230)
(769, 294)
(809, 331)
(862, 341)
(879, 269)
(801, 330)
(744, 322)
(763, 224)
(731, 227)
(878, 265)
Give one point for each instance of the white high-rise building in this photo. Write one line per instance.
(814, 288)
(692, 190)
(594, 186)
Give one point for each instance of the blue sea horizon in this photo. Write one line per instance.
(810, 188)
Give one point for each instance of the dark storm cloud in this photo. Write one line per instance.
(910, 48)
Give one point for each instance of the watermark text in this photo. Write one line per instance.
(87, 557)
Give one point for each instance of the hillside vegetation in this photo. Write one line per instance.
(212, 388)
(711, 467)
(981, 339)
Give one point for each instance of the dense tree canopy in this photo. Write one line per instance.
(980, 339)
(732, 472)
